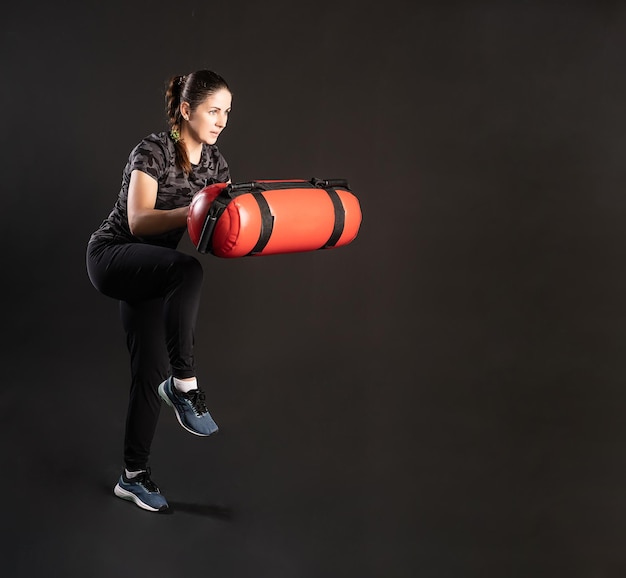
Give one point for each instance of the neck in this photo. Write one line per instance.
(194, 150)
(193, 146)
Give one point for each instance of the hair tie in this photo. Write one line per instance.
(175, 134)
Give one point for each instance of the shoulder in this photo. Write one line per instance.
(155, 150)
(155, 143)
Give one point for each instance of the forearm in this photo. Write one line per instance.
(146, 222)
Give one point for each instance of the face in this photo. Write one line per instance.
(209, 119)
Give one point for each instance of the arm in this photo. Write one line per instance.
(143, 218)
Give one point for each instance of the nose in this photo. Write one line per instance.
(221, 120)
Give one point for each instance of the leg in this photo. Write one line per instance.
(149, 363)
(138, 272)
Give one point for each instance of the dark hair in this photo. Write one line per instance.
(193, 88)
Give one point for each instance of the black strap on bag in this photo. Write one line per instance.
(256, 188)
(330, 187)
(267, 223)
(216, 209)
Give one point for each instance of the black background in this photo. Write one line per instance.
(441, 398)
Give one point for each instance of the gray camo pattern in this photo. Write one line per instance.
(155, 155)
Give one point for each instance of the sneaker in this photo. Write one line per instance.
(189, 408)
(141, 490)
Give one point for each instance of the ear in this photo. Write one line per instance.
(185, 110)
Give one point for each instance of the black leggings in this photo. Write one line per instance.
(159, 293)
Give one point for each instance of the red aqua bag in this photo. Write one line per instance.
(271, 217)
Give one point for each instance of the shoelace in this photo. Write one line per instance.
(145, 480)
(196, 397)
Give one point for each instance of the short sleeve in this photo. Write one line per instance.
(149, 157)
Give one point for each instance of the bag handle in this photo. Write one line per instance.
(330, 183)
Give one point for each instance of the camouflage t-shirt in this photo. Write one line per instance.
(155, 156)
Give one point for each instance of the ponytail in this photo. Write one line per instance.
(172, 108)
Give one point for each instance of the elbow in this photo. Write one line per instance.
(134, 226)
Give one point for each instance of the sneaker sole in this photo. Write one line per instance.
(169, 402)
(126, 495)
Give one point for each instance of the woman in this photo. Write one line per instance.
(132, 258)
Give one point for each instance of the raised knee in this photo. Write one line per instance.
(189, 268)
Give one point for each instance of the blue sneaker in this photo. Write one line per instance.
(189, 408)
(141, 490)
